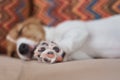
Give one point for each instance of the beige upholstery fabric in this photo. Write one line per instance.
(104, 69)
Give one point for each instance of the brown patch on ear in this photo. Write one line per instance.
(11, 40)
(13, 34)
(35, 25)
(32, 20)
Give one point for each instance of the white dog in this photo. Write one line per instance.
(84, 40)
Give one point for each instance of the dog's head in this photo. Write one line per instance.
(49, 52)
(26, 35)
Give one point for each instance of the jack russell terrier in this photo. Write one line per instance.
(78, 39)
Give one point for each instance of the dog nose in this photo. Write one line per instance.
(24, 48)
(50, 52)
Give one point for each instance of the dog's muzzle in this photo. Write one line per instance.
(25, 48)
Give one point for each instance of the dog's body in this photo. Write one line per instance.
(81, 40)
(86, 40)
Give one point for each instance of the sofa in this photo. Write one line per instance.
(51, 13)
(96, 69)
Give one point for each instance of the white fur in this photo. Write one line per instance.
(83, 40)
(27, 41)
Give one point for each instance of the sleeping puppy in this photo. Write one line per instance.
(84, 40)
(23, 38)
(78, 39)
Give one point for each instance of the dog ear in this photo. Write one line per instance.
(13, 34)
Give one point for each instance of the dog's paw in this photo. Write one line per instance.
(49, 52)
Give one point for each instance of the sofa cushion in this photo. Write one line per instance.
(51, 12)
(94, 69)
(11, 12)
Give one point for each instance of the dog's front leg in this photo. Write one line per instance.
(73, 40)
